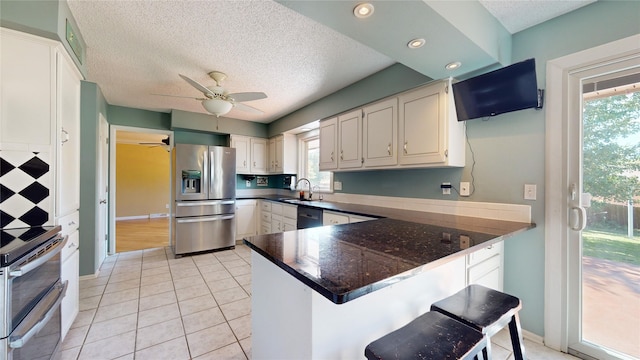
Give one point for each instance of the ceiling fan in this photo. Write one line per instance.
(164, 142)
(217, 100)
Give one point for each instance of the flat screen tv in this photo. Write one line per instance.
(510, 88)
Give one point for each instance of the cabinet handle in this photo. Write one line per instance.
(254, 163)
(244, 163)
(65, 136)
(389, 149)
(71, 223)
(341, 155)
(405, 147)
(72, 245)
(332, 156)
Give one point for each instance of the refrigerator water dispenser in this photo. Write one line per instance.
(191, 181)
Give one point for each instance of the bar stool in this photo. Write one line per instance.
(487, 311)
(430, 336)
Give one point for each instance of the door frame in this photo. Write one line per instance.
(112, 174)
(557, 136)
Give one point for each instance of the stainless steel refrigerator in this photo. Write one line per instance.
(204, 182)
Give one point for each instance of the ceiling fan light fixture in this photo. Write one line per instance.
(217, 107)
(363, 10)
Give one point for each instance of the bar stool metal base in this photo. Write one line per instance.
(430, 336)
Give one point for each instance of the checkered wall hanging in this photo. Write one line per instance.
(25, 183)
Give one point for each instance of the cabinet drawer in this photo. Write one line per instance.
(265, 205)
(276, 209)
(486, 273)
(331, 218)
(485, 253)
(71, 246)
(290, 211)
(69, 223)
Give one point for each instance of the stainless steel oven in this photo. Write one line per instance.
(30, 293)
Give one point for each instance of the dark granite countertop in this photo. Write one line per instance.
(344, 262)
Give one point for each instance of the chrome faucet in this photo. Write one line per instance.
(308, 183)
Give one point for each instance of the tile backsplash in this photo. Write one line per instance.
(25, 188)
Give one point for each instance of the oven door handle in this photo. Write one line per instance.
(16, 342)
(204, 219)
(23, 270)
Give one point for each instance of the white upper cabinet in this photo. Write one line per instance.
(350, 144)
(380, 134)
(68, 139)
(283, 154)
(27, 105)
(259, 154)
(329, 144)
(429, 133)
(242, 146)
(418, 128)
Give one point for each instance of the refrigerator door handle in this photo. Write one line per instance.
(204, 219)
(205, 203)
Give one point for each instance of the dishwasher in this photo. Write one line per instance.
(309, 217)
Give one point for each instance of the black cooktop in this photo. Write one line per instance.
(15, 243)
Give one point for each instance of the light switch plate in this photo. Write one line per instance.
(337, 185)
(530, 191)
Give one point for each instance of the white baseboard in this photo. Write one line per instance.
(532, 337)
(140, 217)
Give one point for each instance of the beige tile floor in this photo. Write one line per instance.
(147, 305)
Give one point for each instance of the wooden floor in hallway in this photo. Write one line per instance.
(142, 234)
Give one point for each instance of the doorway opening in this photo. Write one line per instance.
(140, 180)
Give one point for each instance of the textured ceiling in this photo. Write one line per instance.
(137, 48)
(518, 15)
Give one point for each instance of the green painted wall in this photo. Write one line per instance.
(209, 123)
(392, 80)
(119, 115)
(509, 148)
(45, 18)
(92, 104)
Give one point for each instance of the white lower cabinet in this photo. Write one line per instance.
(485, 267)
(69, 270)
(334, 218)
(245, 218)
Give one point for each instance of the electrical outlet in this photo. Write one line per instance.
(464, 188)
(446, 188)
(166, 206)
(337, 185)
(530, 191)
(248, 183)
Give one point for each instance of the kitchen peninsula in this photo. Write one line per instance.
(326, 292)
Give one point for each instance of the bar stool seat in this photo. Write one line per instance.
(486, 310)
(430, 336)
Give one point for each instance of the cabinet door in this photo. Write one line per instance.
(259, 153)
(241, 144)
(276, 223)
(350, 143)
(245, 218)
(328, 144)
(70, 303)
(27, 65)
(422, 125)
(68, 140)
(279, 154)
(379, 125)
(273, 156)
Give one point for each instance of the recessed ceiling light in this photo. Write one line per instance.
(363, 10)
(415, 43)
(453, 65)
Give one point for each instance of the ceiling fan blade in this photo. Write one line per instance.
(247, 108)
(247, 96)
(183, 97)
(197, 85)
